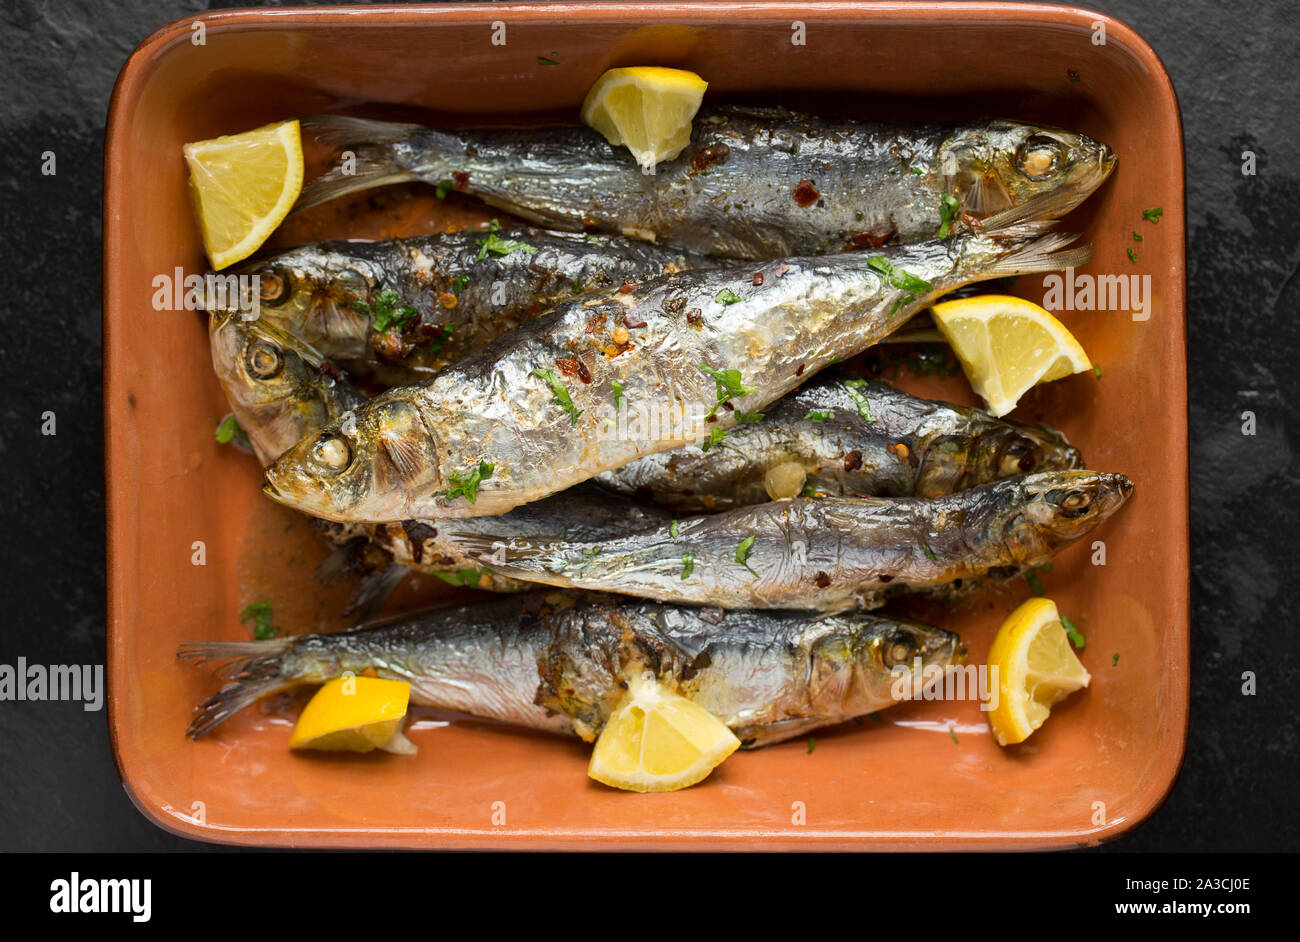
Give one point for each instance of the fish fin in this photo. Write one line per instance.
(251, 671)
(1033, 247)
(374, 591)
(403, 453)
(1044, 207)
(341, 563)
(985, 198)
(372, 145)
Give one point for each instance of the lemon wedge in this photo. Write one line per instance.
(355, 714)
(658, 741)
(1007, 345)
(646, 108)
(243, 186)
(1036, 669)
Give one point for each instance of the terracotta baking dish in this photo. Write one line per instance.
(929, 775)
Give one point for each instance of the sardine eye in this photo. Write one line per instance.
(1039, 158)
(270, 286)
(331, 454)
(263, 360)
(898, 648)
(1073, 503)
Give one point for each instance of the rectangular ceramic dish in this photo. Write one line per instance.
(930, 776)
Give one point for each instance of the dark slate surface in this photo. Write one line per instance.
(1236, 76)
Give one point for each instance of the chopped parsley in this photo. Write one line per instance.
(1031, 576)
(466, 485)
(543, 60)
(385, 312)
(228, 430)
(458, 284)
(952, 731)
(916, 170)
(1132, 256)
(729, 385)
(1114, 659)
(1076, 638)
(591, 551)
(900, 278)
(618, 393)
(715, 436)
(1153, 214)
(464, 578)
(859, 399)
(948, 209)
(815, 416)
(494, 244)
(673, 530)
(875, 718)
(561, 394)
(727, 296)
(1097, 369)
(808, 489)
(259, 613)
(1072, 75)
(812, 744)
(746, 417)
(688, 564)
(1137, 236)
(744, 551)
(444, 187)
(929, 553)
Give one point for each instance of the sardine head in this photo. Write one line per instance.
(1020, 449)
(1055, 508)
(861, 664)
(1001, 164)
(363, 467)
(279, 390)
(313, 294)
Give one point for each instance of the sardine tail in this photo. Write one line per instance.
(251, 670)
(372, 162)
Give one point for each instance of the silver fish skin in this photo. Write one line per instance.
(753, 182)
(535, 411)
(560, 663)
(584, 512)
(839, 440)
(465, 289)
(822, 554)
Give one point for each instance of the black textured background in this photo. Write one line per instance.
(1235, 69)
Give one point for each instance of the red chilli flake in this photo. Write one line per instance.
(632, 322)
(460, 180)
(781, 272)
(627, 288)
(757, 279)
(805, 194)
(694, 315)
(569, 367)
